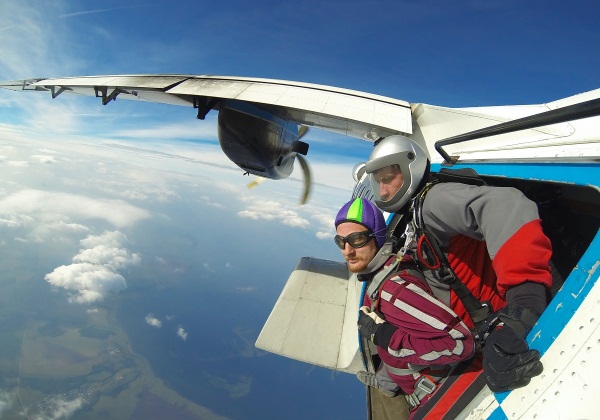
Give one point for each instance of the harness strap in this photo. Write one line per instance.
(365, 345)
(379, 278)
(429, 380)
(462, 384)
(411, 370)
(477, 310)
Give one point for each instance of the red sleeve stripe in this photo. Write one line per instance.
(524, 257)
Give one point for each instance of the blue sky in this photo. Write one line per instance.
(457, 54)
(447, 53)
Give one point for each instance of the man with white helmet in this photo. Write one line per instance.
(489, 238)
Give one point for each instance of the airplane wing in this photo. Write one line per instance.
(349, 112)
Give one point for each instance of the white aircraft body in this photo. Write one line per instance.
(550, 151)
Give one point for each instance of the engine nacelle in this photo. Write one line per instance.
(257, 140)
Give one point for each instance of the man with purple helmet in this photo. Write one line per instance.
(357, 222)
(417, 339)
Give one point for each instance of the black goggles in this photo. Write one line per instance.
(355, 240)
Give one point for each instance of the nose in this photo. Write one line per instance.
(384, 191)
(348, 250)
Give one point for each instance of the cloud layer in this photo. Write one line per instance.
(116, 212)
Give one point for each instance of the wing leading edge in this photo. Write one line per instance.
(353, 113)
(348, 112)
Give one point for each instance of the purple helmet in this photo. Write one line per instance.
(364, 212)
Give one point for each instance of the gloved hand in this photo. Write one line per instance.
(368, 323)
(508, 363)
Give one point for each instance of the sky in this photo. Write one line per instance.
(470, 53)
(464, 54)
(87, 189)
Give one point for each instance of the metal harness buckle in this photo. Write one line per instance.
(427, 385)
(423, 387)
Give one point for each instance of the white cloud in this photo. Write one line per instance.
(273, 210)
(324, 235)
(59, 408)
(5, 402)
(107, 255)
(94, 272)
(153, 321)
(184, 129)
(53, 227)
(88, 282)
(208, 201)
(182, 334)
(62, 225)
(13, 221)
(117, 212)
(27, 33)
(246, 289)
(131, 184)
(94, 11)
(326, 221)
(44, 158)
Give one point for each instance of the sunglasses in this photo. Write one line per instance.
(355, 240)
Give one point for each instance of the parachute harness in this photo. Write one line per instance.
(431, 256)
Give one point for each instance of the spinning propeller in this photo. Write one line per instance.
(302, 130)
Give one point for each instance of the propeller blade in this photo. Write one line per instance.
(259, 180)
(302, 130)
(307, 179)
(301, 149)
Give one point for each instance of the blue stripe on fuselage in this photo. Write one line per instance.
(571, 173)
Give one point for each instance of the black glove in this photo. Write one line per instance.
(367, 325)
(507, 361)
(374, 328)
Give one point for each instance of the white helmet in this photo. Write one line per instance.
(392, 156)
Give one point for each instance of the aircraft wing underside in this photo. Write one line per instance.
(352, 113)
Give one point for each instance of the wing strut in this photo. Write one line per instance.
(55, 92)
(555, 116)
(204, 105)
(102, 92)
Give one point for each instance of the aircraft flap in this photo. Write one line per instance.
(314, 319)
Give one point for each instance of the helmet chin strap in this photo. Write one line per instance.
(387, 249)
(384, 253)
(379, 260)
